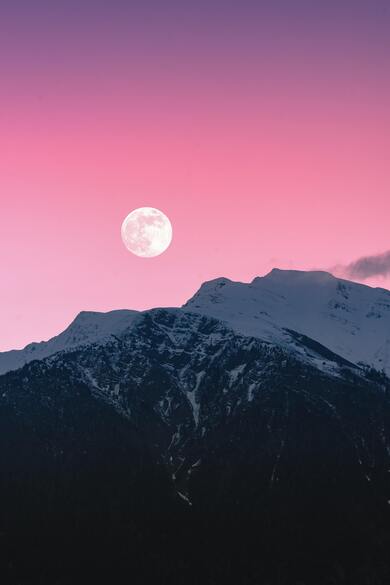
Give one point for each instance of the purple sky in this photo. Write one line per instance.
(260, 128)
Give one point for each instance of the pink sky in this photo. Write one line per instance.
(278, 157)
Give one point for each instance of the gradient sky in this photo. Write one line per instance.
(260, 128)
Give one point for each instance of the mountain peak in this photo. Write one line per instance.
(288, 274)
(350, 319)
(302, 278)
(87, 327)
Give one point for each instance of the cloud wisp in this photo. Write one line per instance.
(368, 266)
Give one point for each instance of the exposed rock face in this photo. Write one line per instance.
(350, 319)
(209, 455)
(203, 445)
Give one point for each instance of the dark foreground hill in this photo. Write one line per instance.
(179, 451)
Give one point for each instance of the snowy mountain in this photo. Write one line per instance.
(182, 451)
(284, 307)
(352, 320)
(234, 440)
(88, 327)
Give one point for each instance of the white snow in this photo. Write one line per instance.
(251, 389)
(88, 327)
(183, 497)
(193, 398)
(236, 373)
(350, 319)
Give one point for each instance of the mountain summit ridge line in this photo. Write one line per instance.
(350, 319)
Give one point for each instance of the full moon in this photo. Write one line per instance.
(146, 232)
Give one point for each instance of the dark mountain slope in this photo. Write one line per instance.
(78, 484)
(183, 452)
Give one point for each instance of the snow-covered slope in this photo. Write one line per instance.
(171, 409)
(352, 320)
(349, 319)
(88, 327)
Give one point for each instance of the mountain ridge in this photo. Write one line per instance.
(350, 319)
(268, 307)
(183, 435)
(167, 445)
